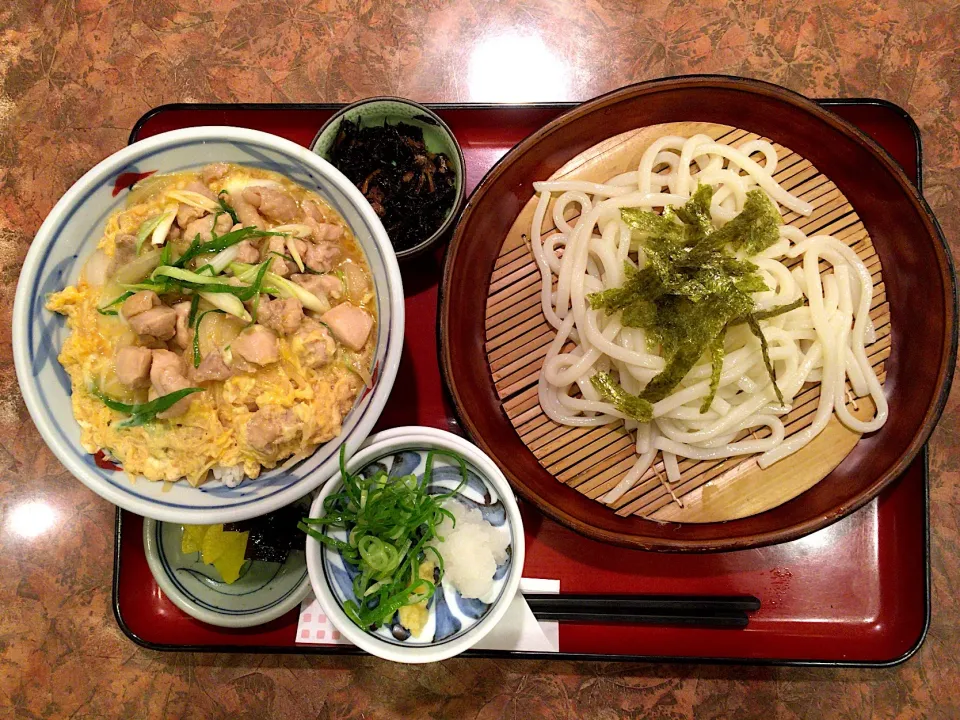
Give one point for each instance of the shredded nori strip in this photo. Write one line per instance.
(409, 187)
(691, 290)
(630, 405)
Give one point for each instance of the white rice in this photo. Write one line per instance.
(229, 475)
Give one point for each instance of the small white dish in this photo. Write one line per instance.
(264, 592)
(455, 624)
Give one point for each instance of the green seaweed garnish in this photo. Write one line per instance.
(691, 290)
(765, 350)
(630, 405)
(754, 229)
(716, 368)
(775, 310)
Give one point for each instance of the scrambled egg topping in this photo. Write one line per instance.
(212, 432)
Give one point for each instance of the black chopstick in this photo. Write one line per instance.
(683, 610)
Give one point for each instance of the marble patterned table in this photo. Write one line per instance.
(75, 76)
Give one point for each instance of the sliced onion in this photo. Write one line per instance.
(217, 331)
(355, 279)
(163, 228)
(238, 184)
(138, 268)
(95, 269)
(194, 199)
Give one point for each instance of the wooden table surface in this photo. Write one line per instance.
(75, 76)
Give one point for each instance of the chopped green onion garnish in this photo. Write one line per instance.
(116, 301)
(226, 207)
(389, 523)
(221, 243)
(142, 413)
(148, 226)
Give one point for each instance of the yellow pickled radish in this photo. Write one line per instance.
(213, 545)
(231, 561)
(192, 540)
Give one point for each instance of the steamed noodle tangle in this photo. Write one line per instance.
(820, 341)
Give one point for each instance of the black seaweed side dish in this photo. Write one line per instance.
(410, 188)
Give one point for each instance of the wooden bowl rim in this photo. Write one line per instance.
(790, 532)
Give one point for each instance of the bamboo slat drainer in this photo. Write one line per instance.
(593, 460)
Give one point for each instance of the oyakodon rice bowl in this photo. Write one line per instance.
(238, 310)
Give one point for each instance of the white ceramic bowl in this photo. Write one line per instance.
(70, 233)
(265, 592)
(465, 622)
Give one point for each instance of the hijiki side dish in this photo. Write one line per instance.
(410, 188)
(225, 323)
(687, 310)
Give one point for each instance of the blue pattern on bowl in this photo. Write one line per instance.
(450, 614)
(57, 261)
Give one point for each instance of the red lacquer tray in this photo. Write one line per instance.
(855, 593)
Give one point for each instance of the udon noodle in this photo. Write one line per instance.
(823, 341)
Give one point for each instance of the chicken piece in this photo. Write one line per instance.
(279, 266)
(313, 211)
(349, 324)
(204, 227)
(186, 214)
(158, 322)
(212, 367)
(310, 283)
(320, 285)
(313, 343)
(125, 250)
(332, 285)
(214, 171)
(183, 332)
(247, 252)
(224, 224)
(271, 426)
(138, 303)
(168, 372)
(246, 212)
(133, 366)
(322, 256)
(201, 226)
(168, 375)
(283, 316)
(201, 189)
(257, 345)
(272, 203)
(321, 231)
(328, 231)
